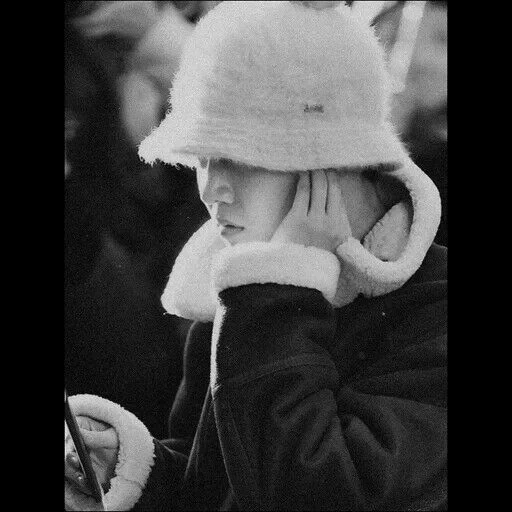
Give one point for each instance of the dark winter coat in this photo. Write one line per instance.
(312, 407)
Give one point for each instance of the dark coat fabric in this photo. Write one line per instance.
(307, 407)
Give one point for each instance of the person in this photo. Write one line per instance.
(314, 373)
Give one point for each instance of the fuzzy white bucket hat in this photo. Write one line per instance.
(289, 87)
(282, 86)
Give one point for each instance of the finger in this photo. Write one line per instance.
(69, 446)
(301, 201)
(87, 423)
(76, 500)
(67, 435)
(71, 459)
(75, 478)
(335, 202)
(318, 192)
(104, 439)
(336, 207)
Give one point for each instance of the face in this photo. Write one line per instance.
(248, 203)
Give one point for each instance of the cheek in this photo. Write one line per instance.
(280, 200)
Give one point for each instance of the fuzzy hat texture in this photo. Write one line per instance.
(279, 85)
(290, 87)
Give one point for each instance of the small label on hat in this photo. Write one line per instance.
(315, 107)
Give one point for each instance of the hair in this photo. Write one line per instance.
(372, 173)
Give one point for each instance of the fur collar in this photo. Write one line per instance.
(389, 255)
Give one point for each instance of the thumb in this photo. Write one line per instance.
(100, 439)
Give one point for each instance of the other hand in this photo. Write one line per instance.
(102, 442)
(318, 215)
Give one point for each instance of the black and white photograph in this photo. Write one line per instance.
(255, 255)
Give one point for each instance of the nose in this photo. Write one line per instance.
(216, 186)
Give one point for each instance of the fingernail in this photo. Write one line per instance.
(73, 460)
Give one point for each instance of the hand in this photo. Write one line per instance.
(318, 216)
(76, 500)
(103, 445)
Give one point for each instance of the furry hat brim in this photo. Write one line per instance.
(279, 86)
(273, 146)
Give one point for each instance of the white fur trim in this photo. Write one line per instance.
(188, 290)
(136, 449)
(282, 87)
(372, 276)
(396, 238)
(267, 262)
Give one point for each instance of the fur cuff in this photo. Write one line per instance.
(266, 262)
(136, 449)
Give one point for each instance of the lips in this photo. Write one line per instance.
(227, 224)
(228, 229)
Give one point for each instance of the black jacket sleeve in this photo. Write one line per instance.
(292, 435)
(165, 487)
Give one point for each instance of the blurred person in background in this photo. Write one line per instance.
(124, 224)
(426, 121)
(416, 38)
(315, 369)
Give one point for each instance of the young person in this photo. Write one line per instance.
(315, 370)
